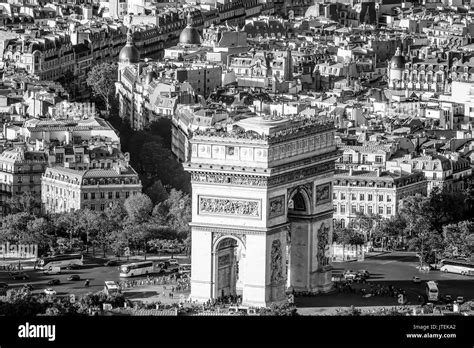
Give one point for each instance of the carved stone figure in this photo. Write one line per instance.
(277, 262)
(277, 206)
(229, 207)
(323, 244)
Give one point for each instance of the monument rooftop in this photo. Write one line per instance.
(265, 130)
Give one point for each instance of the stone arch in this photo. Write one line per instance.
(228, 265)
(299, 200)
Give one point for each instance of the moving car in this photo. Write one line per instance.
(74, 277)
(54, 282)
(460, 300)
(448, 299)
(49, 292)
(111, 263)
(70, 267)
(364, 273)
(349, 274)
(416, 280)
(52, 270)
(18, 275)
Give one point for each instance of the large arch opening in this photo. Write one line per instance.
(229, 255)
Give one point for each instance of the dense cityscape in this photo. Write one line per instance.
(237, 157)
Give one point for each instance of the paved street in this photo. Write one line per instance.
(395, 269)
(93, 270)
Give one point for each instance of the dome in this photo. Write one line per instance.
(129, 53)
(190, 36)
(312, 11)
(397, 62)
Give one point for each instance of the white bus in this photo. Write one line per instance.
(61, 261)
(111, 287)
(136, 268)
(432, 292)
(463, 267)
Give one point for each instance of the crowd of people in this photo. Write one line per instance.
(11, 267)
(175, 282)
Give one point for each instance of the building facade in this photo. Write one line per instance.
(372, 193)
(65, 189)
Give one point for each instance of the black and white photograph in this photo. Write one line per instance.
(310, 160)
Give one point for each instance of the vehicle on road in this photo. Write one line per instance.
(416, 280)
(460, 299)
(111, 287)
(364, 273)
(111, 263)
(74, 277)
(50, 292)
(62, 261)
(72, 267)
(18, 275)
(447, 299)
(3, 288)
(350, 275)
(432, 292)
(171, 265)
(52, 271)
(184, 269)
(54, 282)
(460, 266)
(136, 269)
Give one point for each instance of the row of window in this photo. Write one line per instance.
(110, 195)
(362, 197)
(93, 195)
(370, 209)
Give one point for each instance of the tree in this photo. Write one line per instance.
(348, 236)
(24, 203)
(138, 208)
(179, 213)
(459, 239)
(14, 228)
(157, 192)
(386, 231)
(102, 79)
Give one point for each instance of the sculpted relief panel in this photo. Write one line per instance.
(323, 194)
(276, 263)
(276, 206)
(229, 207)
(323, 245)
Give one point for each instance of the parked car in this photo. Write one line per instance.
(111, 263)
(18, 275)
(74, 277)
(416, 280)
(448, 299)
(49, 292)
(460, 299)
(54, 282)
